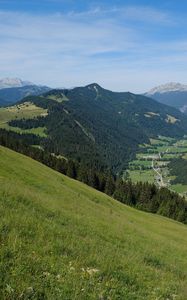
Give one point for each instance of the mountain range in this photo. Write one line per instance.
(13, 82)
(173, 94)
(100, 126)
(14, 89)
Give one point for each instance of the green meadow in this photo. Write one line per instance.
(25, 110)
(179, 188)
(61, 239)
(142, 175)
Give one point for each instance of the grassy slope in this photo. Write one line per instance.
(63, 240)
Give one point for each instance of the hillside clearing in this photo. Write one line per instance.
(25, 110)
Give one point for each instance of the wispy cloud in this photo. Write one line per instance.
(100, 44)
(135, 13)
(147, 14)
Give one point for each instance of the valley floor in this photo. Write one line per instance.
(152, 161)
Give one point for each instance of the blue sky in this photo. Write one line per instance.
(122, 45)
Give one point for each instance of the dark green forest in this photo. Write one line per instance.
(101, 127)
(178, 168)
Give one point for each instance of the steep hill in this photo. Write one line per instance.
(63, 240)
(173, 94)
(93, 124)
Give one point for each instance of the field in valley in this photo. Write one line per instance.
(151, 163)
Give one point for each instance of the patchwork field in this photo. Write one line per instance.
(26, 110)
(61, 239)
(152, 161)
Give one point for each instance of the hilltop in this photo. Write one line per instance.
(61, 239)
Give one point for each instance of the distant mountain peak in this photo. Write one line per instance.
(168, 87)
(13, 82)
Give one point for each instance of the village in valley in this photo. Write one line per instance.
(152, 163)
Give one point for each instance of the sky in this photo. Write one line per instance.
(121, 45)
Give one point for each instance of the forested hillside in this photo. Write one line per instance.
(99, 126)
